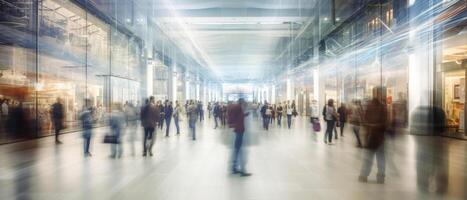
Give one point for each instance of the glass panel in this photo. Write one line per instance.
(62, 58)
(17, 70)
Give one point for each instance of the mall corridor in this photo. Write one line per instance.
(233, 99)
(286, 164)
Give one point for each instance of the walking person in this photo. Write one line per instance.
(268, 116)
(375, 123)
(330, 116)
(342, 111)
(176, 116)
(356, 120)
(192, 118)
(58, 116)
(224, 114)
(263, 111)
(162, 114)
(216, 114)
(150, 115)
(85, 117)
(131, 115)
(209, 110)
(117, 118)
(200, 111)
(237, 122)
(279, 114)
(314, 116)
(289, 111)
(168, 111)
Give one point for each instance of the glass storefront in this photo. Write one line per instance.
(63, 52)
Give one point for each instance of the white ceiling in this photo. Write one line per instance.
(237, 39)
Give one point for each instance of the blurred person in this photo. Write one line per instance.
(375, 123)
(58, 115)
(192, 118)
(237, 122)
(176, 116)
(86, 122)
(263, 111)
(273, 113)
(356, 120)
(209, 109)
(116, 121)
(224, 114)
(216, 114)
(131, 116)
(168, 111)
(200, 111)
(162, 114)
(150, 115)
(342, 111)
(289, 112)
(279, 110)
(314, 116)
(330, 116)
(268, 116)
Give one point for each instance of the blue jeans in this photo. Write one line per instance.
(215, 121)
(266, 122)
(238, 160)
(176, 120)
(370, 154)
(116, 148)
(289, 121)
(192, 124)
(279, 119)
(87, 140)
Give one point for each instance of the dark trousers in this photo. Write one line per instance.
(279, 119)
(330, 125)
(167, 123)
(161, 123)
(266, 122)
(148, 135)
(342, 127)
(215, 122)
(289, 121)
(356, 131)
(192, 124)
(238, 160)
(57, 128)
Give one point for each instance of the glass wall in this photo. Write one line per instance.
(54, 49)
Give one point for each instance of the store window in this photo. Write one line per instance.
(17, 71)
(453, 72)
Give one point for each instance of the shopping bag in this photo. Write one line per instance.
(316, 126)
(110, 139)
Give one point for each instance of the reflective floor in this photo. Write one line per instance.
(286, 164)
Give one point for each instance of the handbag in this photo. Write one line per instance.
(110, 139)
(316, 126)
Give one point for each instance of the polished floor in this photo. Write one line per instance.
(286, 164)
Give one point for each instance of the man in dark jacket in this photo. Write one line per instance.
(150, 115)
(237, 122)
(168, 111)
(375, 122)
(57, 118)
